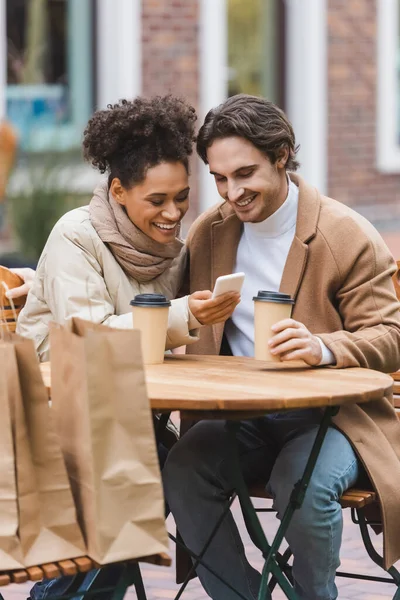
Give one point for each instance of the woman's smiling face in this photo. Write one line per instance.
(158, 204)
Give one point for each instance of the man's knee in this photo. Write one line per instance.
(196, 454)
(336, 470)
(319, 502)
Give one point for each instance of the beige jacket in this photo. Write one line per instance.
(77, 275)
(339, 272)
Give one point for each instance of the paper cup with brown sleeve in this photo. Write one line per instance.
(269, 308)
(150, 316)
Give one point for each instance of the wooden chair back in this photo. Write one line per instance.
(8, 313)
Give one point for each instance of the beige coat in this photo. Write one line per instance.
(77, 275)
(339, 272)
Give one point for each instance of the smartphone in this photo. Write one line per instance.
(228, 283)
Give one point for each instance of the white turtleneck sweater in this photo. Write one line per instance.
(261, 255)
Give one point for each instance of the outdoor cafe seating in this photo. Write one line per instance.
(363, 504)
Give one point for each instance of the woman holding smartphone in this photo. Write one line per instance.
(125, 242)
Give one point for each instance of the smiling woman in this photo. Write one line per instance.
(156, 212)
(126, 242)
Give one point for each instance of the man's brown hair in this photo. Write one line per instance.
(255, 119)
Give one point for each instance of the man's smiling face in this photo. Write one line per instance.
(246, 178)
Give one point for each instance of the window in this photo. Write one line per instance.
(49, 71)
(388, 99)
(255, 57)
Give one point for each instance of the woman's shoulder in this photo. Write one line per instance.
(75, 226)
(74, 220)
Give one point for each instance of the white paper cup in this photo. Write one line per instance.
(150, 316)
(269, 308)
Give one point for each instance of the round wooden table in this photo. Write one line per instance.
(238, 384)
(238, 388)
(233, 384)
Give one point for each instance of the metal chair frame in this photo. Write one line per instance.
(358, 517)
(130, 575)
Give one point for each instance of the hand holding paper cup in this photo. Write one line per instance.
(269, 308)
(150, 316)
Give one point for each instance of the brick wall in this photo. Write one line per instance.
(171, 60)
(352, 79)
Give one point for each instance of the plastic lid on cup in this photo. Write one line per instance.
(150, 301)
(265, 296)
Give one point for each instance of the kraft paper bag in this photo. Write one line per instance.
(10, 548)
(104, 420)
(48, 529)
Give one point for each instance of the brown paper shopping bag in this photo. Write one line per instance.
(104, 419)
(10, 548)
(48, 528)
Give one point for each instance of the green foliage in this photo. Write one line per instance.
(245, 45)
(253, 47)
(38, 205)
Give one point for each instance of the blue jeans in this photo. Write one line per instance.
(275, 448)
(54, 588)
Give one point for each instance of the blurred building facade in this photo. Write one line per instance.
(333, 65)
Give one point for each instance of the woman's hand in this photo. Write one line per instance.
(209, 310)
(27, 275)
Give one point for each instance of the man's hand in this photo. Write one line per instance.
(208, 310)
(27, 275)
(293, 341)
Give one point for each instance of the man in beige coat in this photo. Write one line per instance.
(287, 237)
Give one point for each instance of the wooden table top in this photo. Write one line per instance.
(230, 383)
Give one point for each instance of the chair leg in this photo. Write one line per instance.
(88, 582)
(396, 577)
(282, 560)
(131, 575)
(201, 562)
(373, 554)
(138, 583)
(359, 519)
(397, 594)
(197, 560)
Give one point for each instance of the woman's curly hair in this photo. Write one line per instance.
(129, 137)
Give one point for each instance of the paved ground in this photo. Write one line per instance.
(160, 582)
